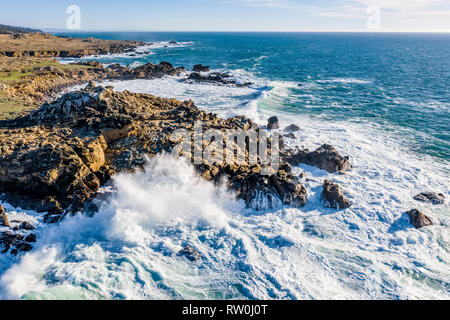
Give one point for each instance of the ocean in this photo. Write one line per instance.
(382, 99)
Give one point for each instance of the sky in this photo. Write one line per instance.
(233, 15)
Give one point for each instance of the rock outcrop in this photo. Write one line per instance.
(190, 253)
(273, 123)
(55, 159)
(333, 196)
(17, 242)
(292, 128)
(215, 78)
(326, 158)
(4, 222)
(200, 68)
(418, 219)
(430, 197)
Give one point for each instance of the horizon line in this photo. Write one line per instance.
(251, 31)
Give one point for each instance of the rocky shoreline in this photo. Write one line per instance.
(47, 45)
(85, 137)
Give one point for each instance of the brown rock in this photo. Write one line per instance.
(84, 137)
(3, 217)
(326, 158)
(419, 219)
(333, 196)
(430, 197)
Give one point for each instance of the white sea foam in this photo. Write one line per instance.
(344, 80)
(141, 51)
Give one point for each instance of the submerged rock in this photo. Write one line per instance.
(26, 226)
(290, 136)
(333, 196)
(430, 197)
(419, 219)
(326, 158)
(215, 78)
(190, 253)
(200, 68)
(273, 123)
(3, 217)
(292, 128)
(14, 241)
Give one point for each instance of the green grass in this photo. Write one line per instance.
(15, 71)
(11, 108)
(27, 69)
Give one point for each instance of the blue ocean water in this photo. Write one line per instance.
(381, 99)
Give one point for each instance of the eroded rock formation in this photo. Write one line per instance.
(418, 219)
(326, 158)
(333, 196)
(55, 159)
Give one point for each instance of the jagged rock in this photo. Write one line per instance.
(273, 123)
(430, 197)
(326, 158)
(14, 241)
(3, 217)
(26, 226)
(200, 68)
(268, 192)
(151, 71)
(290, 136)
(84, 137)
(292, 128)
(190, 253)
(216, 78)
(419, 219)
(30, 238)
(333, 196)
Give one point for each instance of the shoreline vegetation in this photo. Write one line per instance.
(56, 153)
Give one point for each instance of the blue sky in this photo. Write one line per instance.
(232, 15)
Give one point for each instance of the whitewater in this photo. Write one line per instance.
(128, 250)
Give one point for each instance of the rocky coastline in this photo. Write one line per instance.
(84, 137)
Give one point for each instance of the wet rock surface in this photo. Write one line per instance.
(326, 158)
(273, 123)
(333, 196)
(418, 219)
(292, 128)
(190, 253)
(200, 68)
(430, 197)
(16, 238)
(215, 78)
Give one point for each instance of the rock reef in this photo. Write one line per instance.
(84, 137)
(326, 158)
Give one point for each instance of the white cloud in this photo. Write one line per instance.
(396, 14)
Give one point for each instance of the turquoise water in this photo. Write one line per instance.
(381, 99)
(399, 81)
